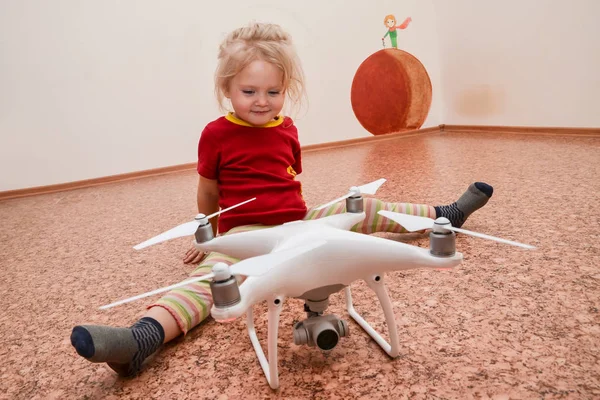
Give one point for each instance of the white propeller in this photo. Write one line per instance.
(416, 223)
(161, 290)
(254, 266)
(369, 188)
(186, 229)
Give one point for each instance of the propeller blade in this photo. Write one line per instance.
(371, 188)
(230, 208)
(411, 223)
(415, 223)
(497, 239)
(163, 289)
(185, 229)
(260, 265)
(334, 201)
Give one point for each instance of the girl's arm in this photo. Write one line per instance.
(208, 199)
(208, 203)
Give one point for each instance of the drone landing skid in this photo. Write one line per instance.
(270, 366)
(376, 284)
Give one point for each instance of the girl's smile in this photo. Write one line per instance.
(257, 93)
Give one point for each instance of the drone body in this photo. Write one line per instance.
(305, 255)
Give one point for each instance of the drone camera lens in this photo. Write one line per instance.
(327, 339)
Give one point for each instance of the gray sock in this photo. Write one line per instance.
(124, 349)
(476, 196)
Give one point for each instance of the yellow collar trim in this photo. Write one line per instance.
(232, 118)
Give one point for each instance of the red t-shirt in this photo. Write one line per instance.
(249, 161)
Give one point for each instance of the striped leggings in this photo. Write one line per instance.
(191, 304)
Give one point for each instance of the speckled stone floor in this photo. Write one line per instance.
(507, 323)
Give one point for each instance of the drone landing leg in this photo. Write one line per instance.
(376, 284)
(269, 367)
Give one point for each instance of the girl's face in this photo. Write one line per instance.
(256, 93)
(390, 22)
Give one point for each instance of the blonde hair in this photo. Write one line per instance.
(260, 41)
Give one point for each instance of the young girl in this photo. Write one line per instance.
(250, 152)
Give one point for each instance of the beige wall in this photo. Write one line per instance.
(91, 88)
(520, 62)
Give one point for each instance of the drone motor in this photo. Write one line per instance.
(204, 232)
(224, 287)
(355, 204)
(442, 242)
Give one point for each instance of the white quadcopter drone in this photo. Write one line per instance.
(310, 260)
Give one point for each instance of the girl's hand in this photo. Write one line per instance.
(193, 256)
